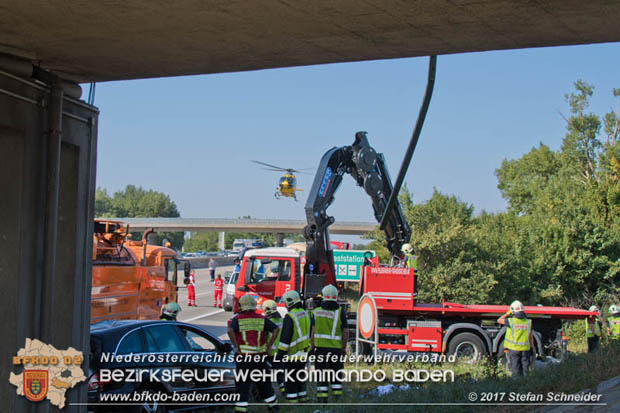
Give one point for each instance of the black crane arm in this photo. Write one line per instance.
(368, 169)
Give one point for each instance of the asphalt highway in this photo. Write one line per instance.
(204, 314)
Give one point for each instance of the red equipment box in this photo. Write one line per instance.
(424, 336)
(393, 288)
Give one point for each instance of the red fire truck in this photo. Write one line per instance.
(389, 314)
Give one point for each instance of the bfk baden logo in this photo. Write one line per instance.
(47, 372)
(35, 384)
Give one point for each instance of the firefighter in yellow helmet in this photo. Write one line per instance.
(270, 309)
(518, 339)
(329, 338)
(248, 332)
(613, 326)
(294, 345)
(593, 330)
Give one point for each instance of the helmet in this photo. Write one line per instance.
(594, 309)
(407, 249)
(247, 303)
(172, 309)
(329, 293)
(613, 309)
(270, 307)
(516, 306)
(291, 298)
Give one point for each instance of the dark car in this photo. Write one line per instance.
(153, 352)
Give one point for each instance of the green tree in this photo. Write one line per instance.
(136, 202)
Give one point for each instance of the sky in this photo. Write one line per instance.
(193, 137)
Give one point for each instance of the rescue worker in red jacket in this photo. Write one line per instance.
(248, 332)
(191, 290)
(217, 291)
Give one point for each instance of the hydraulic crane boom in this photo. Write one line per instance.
(368, 169)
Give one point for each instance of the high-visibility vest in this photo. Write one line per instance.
(300, 342)
(614, 326)
(219, 284)
(411, 261)
(518, 334)
(274, 347)
(593, 330)
(251, 336)
(327, 328)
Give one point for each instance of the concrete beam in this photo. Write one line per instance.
(240, 225)
(117, 39)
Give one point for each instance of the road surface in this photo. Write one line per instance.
(204, 314)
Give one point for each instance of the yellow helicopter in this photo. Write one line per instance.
(287, 186)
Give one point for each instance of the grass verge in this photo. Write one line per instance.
(578, 372)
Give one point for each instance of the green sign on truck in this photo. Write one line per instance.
(349, 264)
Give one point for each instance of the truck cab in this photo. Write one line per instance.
(268, 273)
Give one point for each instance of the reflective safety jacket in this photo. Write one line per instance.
(251, 337)
(594, 329)
(277, 320)
(518, 334)
(327, 328)
(411, 261)
(300, 339)
(614, 326)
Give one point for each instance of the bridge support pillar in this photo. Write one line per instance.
(47, 180)
(279, 239)
(222, 241)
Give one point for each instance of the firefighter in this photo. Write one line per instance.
(410, 260)
(270, 309)
(518, 339)
(191, 290)
(613, 327)
(329, 338)
(248, 332)
(593, 330)
(218, 289)
(294, 345)
(170, 311)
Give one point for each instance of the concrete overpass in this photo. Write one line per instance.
(116, 39)
(51, 135)
(283, 226)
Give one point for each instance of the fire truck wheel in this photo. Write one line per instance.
(364, 347)
(467, 346)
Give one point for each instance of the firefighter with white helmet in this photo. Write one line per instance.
(518, 339)
(251, 334)
(329, 338)
(270, 310)
(170, 311)
(410, 260)
(294, 345)
(613, 327)
(593, 329)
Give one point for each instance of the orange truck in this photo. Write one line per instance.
(131, 279)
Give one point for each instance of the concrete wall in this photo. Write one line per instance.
(47, 185)
(204, 262)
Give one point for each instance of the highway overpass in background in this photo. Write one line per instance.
(279, 226)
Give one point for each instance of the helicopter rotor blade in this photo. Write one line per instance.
(270, 166)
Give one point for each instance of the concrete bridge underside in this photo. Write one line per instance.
(118, 39)
(48, 138)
